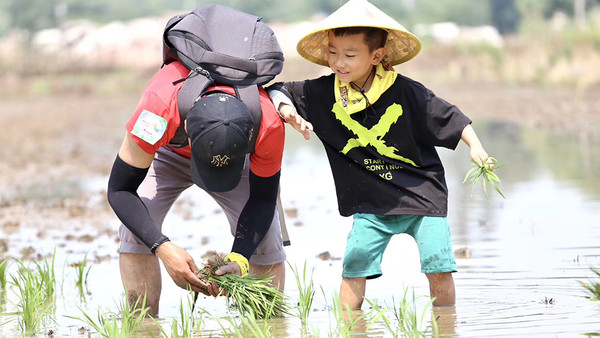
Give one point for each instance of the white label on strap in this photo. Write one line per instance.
(149, 127)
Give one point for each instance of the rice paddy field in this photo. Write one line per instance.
(522, 260)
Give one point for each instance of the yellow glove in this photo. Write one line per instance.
(241, 261)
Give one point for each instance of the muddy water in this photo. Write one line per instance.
(520, 259)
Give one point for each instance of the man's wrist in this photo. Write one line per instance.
(156, 244)
(240, 260)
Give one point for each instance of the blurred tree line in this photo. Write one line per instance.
(505, 15)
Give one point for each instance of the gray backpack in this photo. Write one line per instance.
(221, 46)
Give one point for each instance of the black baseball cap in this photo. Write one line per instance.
(219, 126)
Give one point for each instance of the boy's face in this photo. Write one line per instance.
(350, 58)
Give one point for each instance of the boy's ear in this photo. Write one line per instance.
(378, 55)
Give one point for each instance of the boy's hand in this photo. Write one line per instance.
(292, 117)
(479, 156)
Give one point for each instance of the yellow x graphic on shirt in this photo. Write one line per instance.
(374, 135)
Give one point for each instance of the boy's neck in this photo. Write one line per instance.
(364, 87)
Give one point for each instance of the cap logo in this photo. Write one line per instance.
(220, 160)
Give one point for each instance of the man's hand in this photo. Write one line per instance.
(292, 117)
(181, 267)
(229, 268)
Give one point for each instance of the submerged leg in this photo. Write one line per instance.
(140, 274)
(441, 287)
(275, 270)
(352, 292)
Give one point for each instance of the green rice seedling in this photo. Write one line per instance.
(306, 294)
(405, 321)
(252, 296)
(409, 323)
(188, 324)
(45, 270)
(35, 303)
(247, 327)
(3, 266)
(82, 271)
(380, 316)
(127, 322)
(346, 319)
(485, 173)
(593, 286)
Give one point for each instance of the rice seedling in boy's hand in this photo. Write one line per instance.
(593, 286)
(253, 296)
(485, 173)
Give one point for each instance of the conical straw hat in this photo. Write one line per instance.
(401, 44)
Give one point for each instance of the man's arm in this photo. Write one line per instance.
(129, 170)
(257, 215)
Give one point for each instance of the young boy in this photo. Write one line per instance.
(379, 130)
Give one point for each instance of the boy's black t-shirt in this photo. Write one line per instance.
(383, 158)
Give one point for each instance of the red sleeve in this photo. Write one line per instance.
(160, 99)
(268, 152)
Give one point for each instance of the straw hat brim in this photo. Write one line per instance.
(401, 45)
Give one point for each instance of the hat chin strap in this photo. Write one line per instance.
(362, 88)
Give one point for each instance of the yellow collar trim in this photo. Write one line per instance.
(353, 101)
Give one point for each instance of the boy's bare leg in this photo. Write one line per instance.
(441, 286)
(141, 275)
(352, 292)
(275, 270)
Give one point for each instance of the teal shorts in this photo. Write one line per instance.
(371, 234)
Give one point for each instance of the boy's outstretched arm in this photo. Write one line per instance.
(470, 138)
(291, 116)
(282, 99)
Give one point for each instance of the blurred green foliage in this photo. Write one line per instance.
(506, 15)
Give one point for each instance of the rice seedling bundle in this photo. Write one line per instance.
(253, 296)
(485, 173)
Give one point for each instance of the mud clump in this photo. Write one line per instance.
(212, 261)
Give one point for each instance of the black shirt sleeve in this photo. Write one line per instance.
(442, 122)
(294, 91)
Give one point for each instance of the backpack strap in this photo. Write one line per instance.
(194, 87)
(250, 96)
